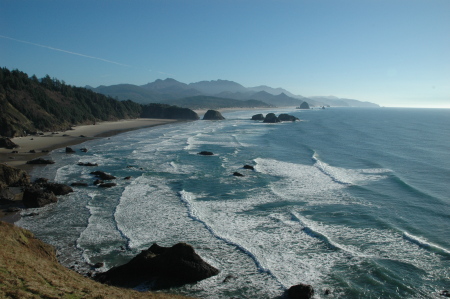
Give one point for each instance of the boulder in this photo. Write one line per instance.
(41, 161)
(258, 117)
(57, 189)
(107, 185)
(35, 197)
(287, 117)
(304, 105)
(271, 118)
(84, 150)
(69, 150)
(237, 173)
(163, 266)
(98, 182)
(249, 167)
(205, 153)
(79, 184)
(300, 291)
(7, 143)
(213, 115)
(103, 175)
(11, 176)
(87, 164)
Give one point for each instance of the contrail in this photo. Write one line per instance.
(65, 51)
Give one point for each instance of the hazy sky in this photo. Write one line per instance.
(391, 52)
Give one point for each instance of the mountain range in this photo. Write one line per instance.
(217, 94)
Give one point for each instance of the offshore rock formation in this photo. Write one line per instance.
(287, 117)
(258, 117)
(163, 266)
(213, 115)
(271, 118)
(304, 105)
(301, 291)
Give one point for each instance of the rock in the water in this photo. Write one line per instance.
(69, 150)
(287, 117)
(41, 161)
(107, 185)
(258, 117)
(35, 197)
(205, 153)
(7, 143)
(301, 291)
(79, 184)
(87, 164)
(57, 189)
(11, 176)
(304, 105)
(103, 175)
(164, 266)
(237, 173)
(213, 115)
(84, 150)
(271, 118)
(98, 181)
(249, 167)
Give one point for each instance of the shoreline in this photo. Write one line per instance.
(49, 141)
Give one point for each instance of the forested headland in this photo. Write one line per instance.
(29, 105)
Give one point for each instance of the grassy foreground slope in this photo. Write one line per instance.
(29, 269)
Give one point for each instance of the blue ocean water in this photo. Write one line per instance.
(351, 200)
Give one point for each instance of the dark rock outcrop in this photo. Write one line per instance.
(300, 291)
(79, 184)
(103, 175)
(249, 167)
(11, 176)
(36, 197)
(206, 153)
(98, 182)
(41, 161)
(7, 143)
(69, 150)
(84, 150)
(213, 115)
(163, 266)
(57, 189)
(107, 185)
(87, 164)
(258, 117)
(237, 173)
(271, 118)
(287, 117)
(304, 105)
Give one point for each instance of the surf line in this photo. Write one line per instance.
(192, 213)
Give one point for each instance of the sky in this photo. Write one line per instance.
(395, 53)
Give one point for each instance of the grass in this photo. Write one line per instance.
(29, 269)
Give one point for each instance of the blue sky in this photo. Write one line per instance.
(394, 53)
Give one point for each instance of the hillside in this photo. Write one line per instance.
(173, 92)
(211, 102)
(29, 269)
(29, 105)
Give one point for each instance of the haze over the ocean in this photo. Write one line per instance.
(393, 53)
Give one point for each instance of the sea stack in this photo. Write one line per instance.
(213, 115)
(304, 105)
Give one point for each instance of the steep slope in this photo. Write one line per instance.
(29, 269)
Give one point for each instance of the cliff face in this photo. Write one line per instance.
(29, 269)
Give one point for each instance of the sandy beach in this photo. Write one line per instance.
(53, 140)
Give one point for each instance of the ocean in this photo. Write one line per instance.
(354, 201)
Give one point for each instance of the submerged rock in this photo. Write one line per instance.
(249, 167)
(213, 115)
(237, 173)
(103, 175)
(163, 266)
(69, 150)
(206, 153)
